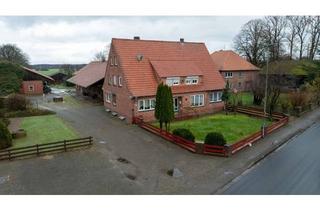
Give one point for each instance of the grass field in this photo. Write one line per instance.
(49, 72)
(44, 129)
(234, 127)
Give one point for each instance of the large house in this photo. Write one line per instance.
(34, 82)
(89, 79)
(239, 72)
(136, 67)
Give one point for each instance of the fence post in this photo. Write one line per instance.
(90, 140)
(65, 145)
(227, 150)
(38, 150)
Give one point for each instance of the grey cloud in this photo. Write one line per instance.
(58, 39)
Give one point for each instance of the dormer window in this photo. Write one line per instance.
(192, 80)
(172, 81)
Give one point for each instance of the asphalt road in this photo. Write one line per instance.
(292, 169)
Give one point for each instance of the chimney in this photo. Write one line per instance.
(181, 40)
(136, 38)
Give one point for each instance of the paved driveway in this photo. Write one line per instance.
(97, 171)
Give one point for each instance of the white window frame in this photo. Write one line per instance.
(115, 79)
(120, 81)
(109, 80)
(150, 103)
(173, 81)
(108, 97)
(216, 96)
(111, 61)
(30, 88)
(192, 80)
(198, 103)
(115, 61)
(228, 74)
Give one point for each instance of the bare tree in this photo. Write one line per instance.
(274, 33)
(291, 34)
(249, 41)
(13, 54)
(102, 55)
(301, 25)
(314, 38)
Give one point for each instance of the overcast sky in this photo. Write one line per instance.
(59, 40)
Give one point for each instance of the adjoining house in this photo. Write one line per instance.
(136, 67)
(239, 72)
(89, 79)
(33, 82)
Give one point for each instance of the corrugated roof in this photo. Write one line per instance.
(89, 74)
(228, 60)
(141, 77)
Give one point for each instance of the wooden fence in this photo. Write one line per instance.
(227, 150)
(40, 149)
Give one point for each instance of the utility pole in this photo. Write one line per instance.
(265, 100)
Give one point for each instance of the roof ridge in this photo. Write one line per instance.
(152, 40)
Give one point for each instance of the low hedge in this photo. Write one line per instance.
(184, 133)
(28, 113)
(215, 138)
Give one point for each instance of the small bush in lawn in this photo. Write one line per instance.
(17, 102)
(5, 136)
(215, 138)
(184, 133)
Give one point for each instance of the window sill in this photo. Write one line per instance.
(146, 110)
(215, 101)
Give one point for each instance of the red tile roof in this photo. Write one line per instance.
(89, 74)
(141, 77)
(176, 68)
(37, 73)
(228, 60)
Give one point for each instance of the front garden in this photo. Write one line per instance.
(233, 127)
(43, 129)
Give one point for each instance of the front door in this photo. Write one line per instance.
(176, 104)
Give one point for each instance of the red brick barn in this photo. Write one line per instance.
(239, 72)
(136, 67)
(34, 82)
(89, 79)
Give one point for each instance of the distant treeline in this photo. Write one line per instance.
(57, 66)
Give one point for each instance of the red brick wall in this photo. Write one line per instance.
(127, 106)
(124, 104)
(246, 79)
(34, 87)
(185, 107)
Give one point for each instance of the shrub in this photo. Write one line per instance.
(184, 133)
(215, 138)
(28, 113)
(5, 136)
(5, 121)
(17, 102)
(299, 98)
(285, 104)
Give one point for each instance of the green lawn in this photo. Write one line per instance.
(44, 129)
(233, 127)
(49, 72)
